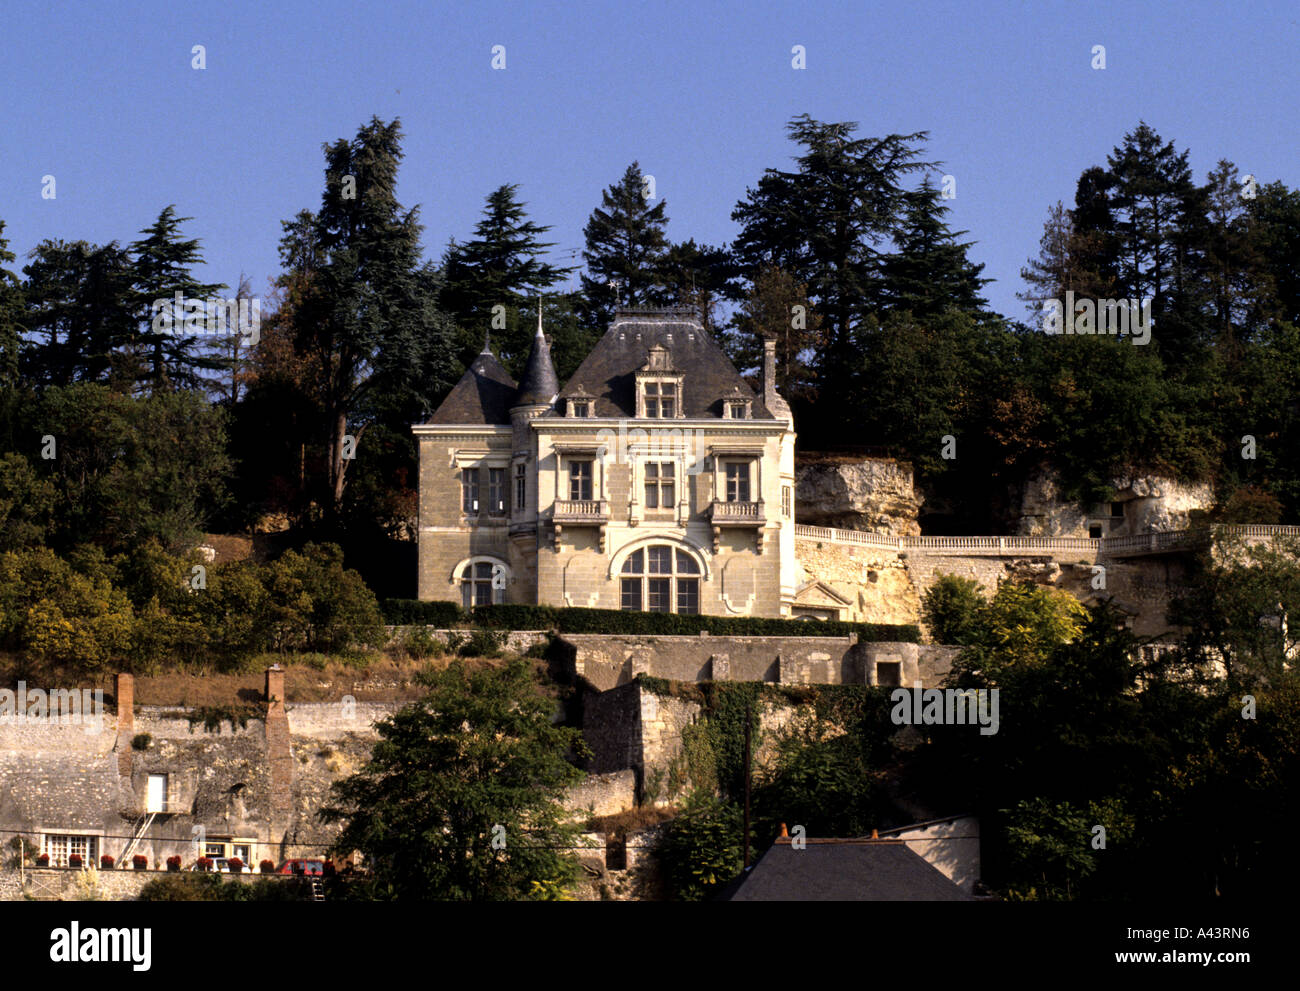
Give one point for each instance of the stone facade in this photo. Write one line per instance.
(604, 495)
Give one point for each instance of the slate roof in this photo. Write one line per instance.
(842, 870)
(483, 395)
(609, 372)
(540, 382)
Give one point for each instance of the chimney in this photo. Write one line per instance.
(783, 834)
(277, 750)
(875, 835)
(771, 398)
(125, 692)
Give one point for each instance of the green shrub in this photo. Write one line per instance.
(141, 741)
(516, 617)
(419, 643)
(952, 608)
(482, 643)
(702, 848)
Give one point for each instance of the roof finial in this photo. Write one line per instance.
(487, 342)
(539, 315)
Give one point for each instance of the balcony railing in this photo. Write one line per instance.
(581, 511)
(736, 513)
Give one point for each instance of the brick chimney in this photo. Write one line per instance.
(277, 750)
(125, 692)
(771, 398)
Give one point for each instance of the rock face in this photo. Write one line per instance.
(1141, 504)
(874, 495)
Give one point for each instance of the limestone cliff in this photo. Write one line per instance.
(873, 494)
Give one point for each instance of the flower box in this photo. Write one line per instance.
(106, 862)
(204, 864)
(43, 860)
(236, 865)
(267, 867)
(74, 860)
(140, 862)
(173, 863)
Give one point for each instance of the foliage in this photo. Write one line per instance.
(203, 887)
(702, 848)
(478, 760)
(951, 608)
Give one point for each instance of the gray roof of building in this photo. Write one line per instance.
(540, 384)
(842, 870)
(609, 371)
(483, 395)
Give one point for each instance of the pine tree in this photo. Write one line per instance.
(698, 276)
(12, 323)
(929, 272)
(1052, 273)
(778, 309)
(364, 311)
(81, 315)
(829, 222)
(170, 357)
(625, 245)
(500, 266)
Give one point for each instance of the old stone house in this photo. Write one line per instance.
(655, 479)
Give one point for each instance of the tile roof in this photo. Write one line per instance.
(842, 870)
(483, 395)
(540, 382)
(609, 371)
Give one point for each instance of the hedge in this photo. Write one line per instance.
(401, 612)
(414, 612)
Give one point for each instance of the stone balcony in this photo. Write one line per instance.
(737, 514)
(579, 512)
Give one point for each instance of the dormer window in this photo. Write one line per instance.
(580, 408)
(661, 400)
(738, 409)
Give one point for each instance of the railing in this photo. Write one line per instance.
(745, 512)
(1156, 542)
(581, 509)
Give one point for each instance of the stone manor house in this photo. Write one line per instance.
(656, 479)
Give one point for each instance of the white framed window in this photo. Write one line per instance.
(660, 485)
(737, 484)
(469, 490)
(521, 487)
(483, 583)
(496, 491)
(580, 408)
(660, 578)
(660, 400)
(61, 846)
(737, 409)
(580, 480)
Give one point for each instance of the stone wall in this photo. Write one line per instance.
(875, 580)
(50, 884)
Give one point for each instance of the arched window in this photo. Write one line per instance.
(483, 583)
(660, 579)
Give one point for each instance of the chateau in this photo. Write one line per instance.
(656, 479)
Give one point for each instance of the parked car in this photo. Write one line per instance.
(219, 865)
(305, 866)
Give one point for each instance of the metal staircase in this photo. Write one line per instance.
(137, 835)
(317, 890)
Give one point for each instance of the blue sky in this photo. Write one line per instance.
(105, 100)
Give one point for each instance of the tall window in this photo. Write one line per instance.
(580, 480)
(661, 400)
(521, 487)
(787, 502)
(497, 491)
(482, 583)
(737, 481)
(660, 579)
(469, 490)
(660, 479)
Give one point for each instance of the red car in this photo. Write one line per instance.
(303, 866)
